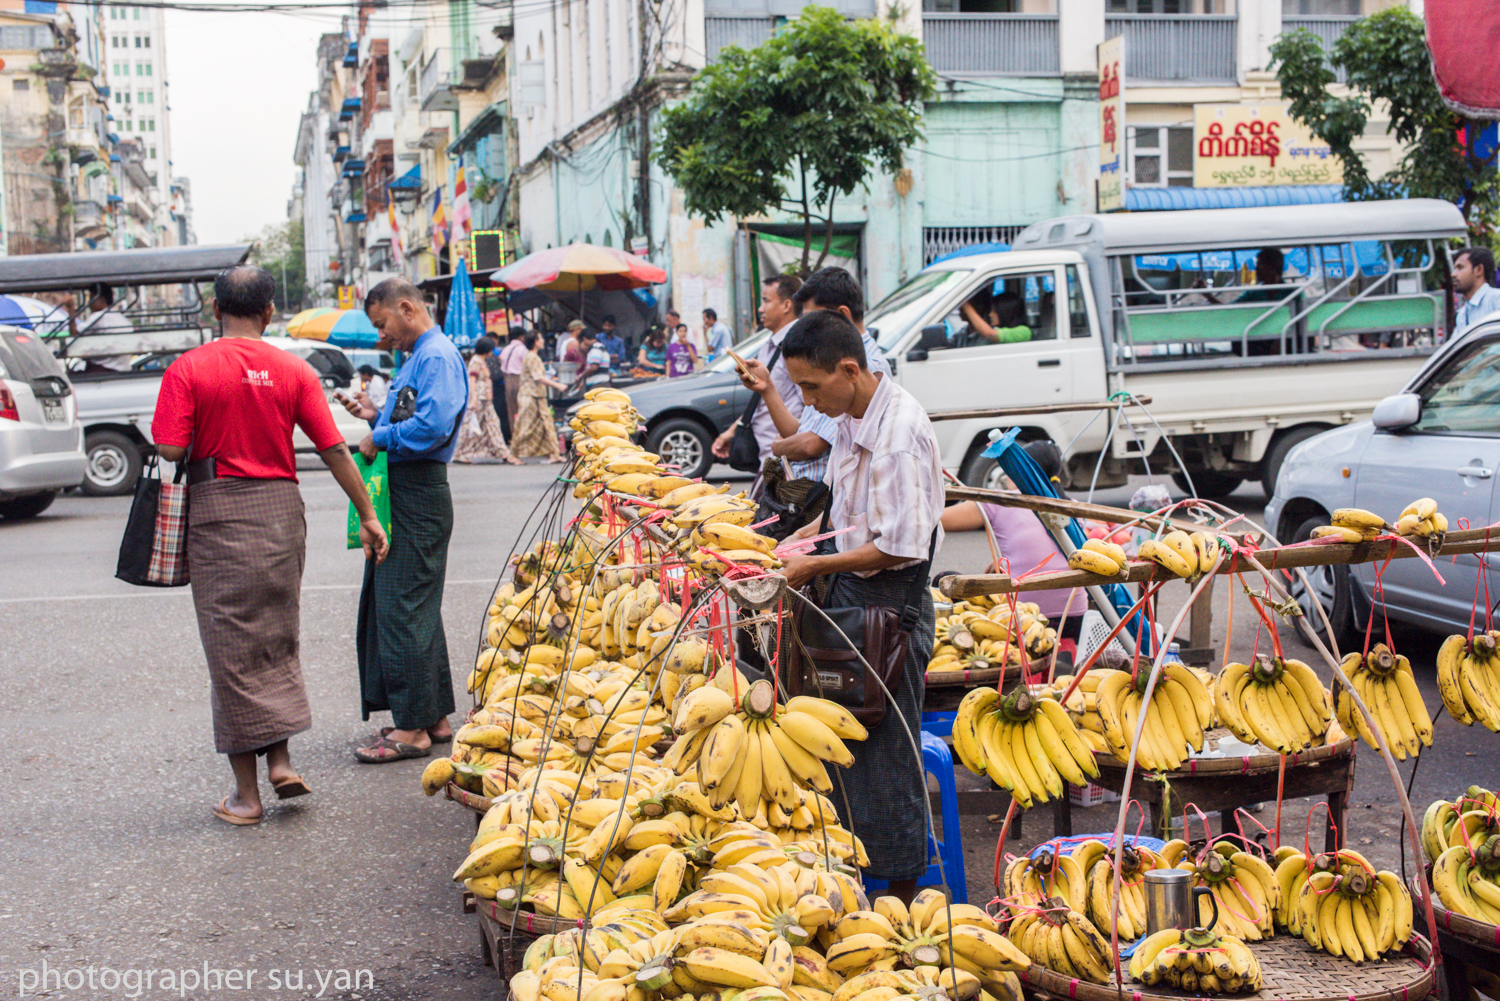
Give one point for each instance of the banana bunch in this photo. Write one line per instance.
(1027, 745)
(780, 901)
(1386, 684)
(931, 932)
(1243, 885)
(986, 655)
(1063, 940)
(1346, 908)
(759, 746)
(1098, 862)
(713, 546)
(923, 982)
(1352, 524)
(1100, 557)
(606, 414)
(1468, 674)
(1032, 880)
(1467, 880)
(1177, 715)
(1421, 520)
(1369, 913)
(1470, 820)
(1196, 961)
(1276, 702)
(1187, 556)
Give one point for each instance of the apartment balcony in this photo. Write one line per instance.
(992, 44)
(1328, 29)
(1177, 48)
(349, 109)
(351, 56)
(746, 32)
(437, 82)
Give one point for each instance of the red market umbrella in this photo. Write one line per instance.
(1463, 37)
(579, 267)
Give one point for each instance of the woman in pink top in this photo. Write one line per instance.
(1023, 541)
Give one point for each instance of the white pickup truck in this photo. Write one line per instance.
(1249, 329)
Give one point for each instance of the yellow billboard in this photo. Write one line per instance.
(1244, 145)
(1111, 183)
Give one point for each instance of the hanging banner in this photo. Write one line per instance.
(1111, 183)
(1253, 145)
(346, 297)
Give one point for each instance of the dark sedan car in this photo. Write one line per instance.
(683, 416)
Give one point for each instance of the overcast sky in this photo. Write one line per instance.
(239, 83)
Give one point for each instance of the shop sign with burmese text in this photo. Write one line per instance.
(1254, 145)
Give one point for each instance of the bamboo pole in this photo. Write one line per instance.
(1071, 508)
(1049, 408)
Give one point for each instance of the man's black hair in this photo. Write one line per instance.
(673, 312)
(244, 291)
(517, 332)
(391, 291)
(831, 288)
(484, 345)
(587, 335)
(104, 291)
(824, 338)
(1009, 310)
(1482, 258)
(530, 337)
(786, 287)
(608, 318)
(710, 315)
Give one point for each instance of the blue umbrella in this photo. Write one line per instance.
(1031, 480)
(462, 322)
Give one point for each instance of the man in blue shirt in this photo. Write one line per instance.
(403, 654)
(612, 342)
(716, 333)
(1473, 279)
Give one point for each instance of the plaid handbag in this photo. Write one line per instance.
(153, 551)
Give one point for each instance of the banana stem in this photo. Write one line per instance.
(1135, 744)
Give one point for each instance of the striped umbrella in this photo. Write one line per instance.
(24, 311)
(345, 328)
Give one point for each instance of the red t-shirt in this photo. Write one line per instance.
(235, 400)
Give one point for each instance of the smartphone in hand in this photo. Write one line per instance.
(738, 361)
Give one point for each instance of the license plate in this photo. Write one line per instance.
(53, 412)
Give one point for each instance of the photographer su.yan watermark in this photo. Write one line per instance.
(154, 983)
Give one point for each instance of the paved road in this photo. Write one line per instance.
(109, 854)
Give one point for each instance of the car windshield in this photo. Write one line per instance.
(23, 356)
(1464, 397)
(744, 349)
(889, 321)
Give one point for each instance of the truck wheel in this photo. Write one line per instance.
(1331, 588)
(1210, 485)
(29, 506)
(114, 464)
(982, 472)
(1277, 453)
(684, 443)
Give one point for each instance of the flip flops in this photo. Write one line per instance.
(402, 752)
(290, 788)
(222, 812)
(385, 731)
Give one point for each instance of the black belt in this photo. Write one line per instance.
(202, 470)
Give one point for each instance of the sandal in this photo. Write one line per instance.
(385, 731)
(222, 812)
(290, 788)
(402, 751)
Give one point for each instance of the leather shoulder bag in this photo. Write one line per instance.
(744, 450)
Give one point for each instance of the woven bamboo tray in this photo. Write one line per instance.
(479, 804)
(1291, 970)
(1249, 764)
(1479, 934)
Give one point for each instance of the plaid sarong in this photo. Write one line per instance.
(403, 652)
(246, 543)
(169, 563)
(883, 791)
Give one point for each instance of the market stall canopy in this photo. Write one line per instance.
(344, 328)
(146, 266)
(579, 267)
(24, 311)
(1463, 37)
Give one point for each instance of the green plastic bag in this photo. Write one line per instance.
(378, 484)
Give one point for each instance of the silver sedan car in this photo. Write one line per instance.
(41, 442)
(1440, 438)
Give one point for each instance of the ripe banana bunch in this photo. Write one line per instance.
(1031, 880)
(1179, 712)
(1196, 961)
(1100, 557)
(713, 547)
(1187, 556)
(1025, 744)
(1386, 684)
(1467, 880)
(988, 654)
(1470, 821)
(1063, 940)
(1468, 674)
(781, 901)
(1095, 858)
(1244, 887)
(698, 503)
(922, 983)
(1276, 702)
(1354, 524)
(1421, 519)
(760, 747)
(1346, 908)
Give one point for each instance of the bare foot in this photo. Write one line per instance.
(234, 810)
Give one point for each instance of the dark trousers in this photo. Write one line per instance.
(500, 408)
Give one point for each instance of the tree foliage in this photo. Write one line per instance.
(279, 249)
(817, 108)
(1386, 61)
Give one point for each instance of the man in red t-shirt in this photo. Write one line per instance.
(233, 403)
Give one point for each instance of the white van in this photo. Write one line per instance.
(1250, 329)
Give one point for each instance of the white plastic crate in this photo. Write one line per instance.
(1091, 795)
(1091, 633)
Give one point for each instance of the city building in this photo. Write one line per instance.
(136, 54)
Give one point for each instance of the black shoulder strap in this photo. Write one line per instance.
(913, 607)
(755, 400)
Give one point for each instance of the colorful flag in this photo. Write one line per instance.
(462, 217)
(398, 255)
(439, 222)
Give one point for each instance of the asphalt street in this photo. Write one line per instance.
(111, 859)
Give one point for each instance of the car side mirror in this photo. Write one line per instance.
(917, 354)
(935, 336)
(1397, 412)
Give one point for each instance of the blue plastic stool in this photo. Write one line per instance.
(938, 724)
(938, 761)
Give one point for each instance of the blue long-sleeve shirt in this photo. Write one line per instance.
(435, 370)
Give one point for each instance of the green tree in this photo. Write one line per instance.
(1386, 61)
(279, 249)
(818, 107)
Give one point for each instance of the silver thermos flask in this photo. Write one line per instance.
(1172, 900)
